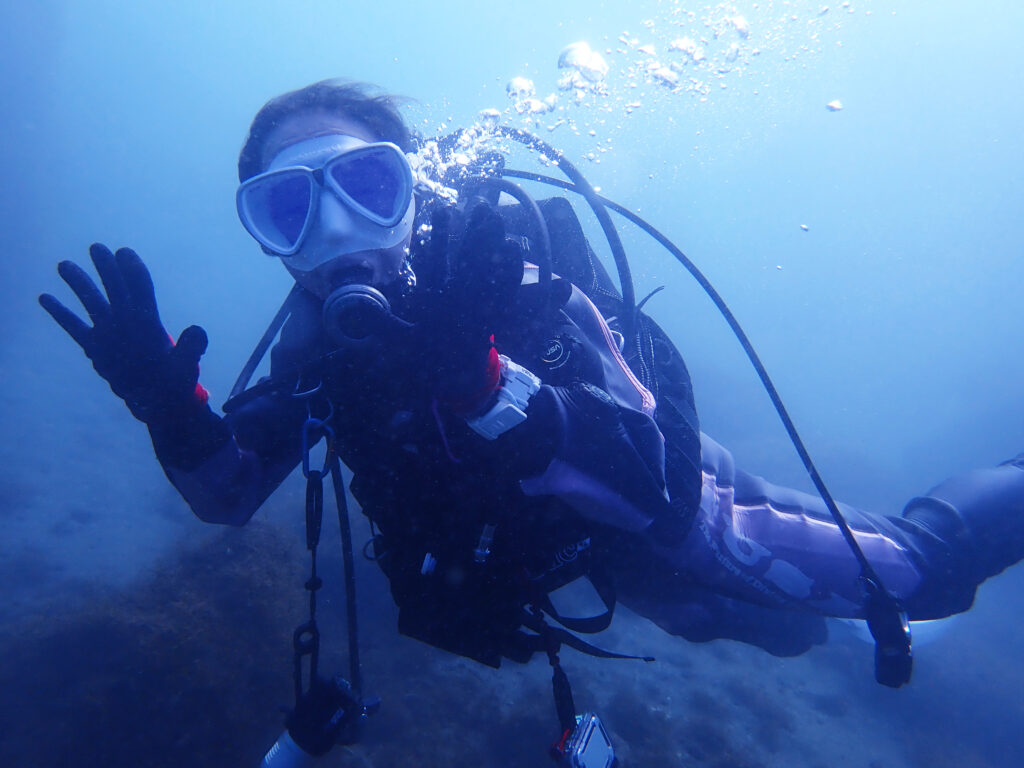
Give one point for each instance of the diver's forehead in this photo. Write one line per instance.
(314, 152)
(303, 126)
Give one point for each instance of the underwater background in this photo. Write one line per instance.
(873, 250)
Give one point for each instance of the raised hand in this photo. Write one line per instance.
(126, 342)
(473, 274)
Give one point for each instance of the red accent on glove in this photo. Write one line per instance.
(202, 393)
(476, 400)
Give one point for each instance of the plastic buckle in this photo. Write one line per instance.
(518, 385)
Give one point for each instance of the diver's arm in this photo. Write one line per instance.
(595, 444)
(230, 485)
(158, 380)
(604, 460)
(201, 458)
(263, 446)
(227, 482)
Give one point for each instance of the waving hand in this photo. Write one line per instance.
(126, 342)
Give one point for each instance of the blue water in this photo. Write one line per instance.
(891, 325)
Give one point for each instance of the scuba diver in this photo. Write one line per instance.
(512, 424)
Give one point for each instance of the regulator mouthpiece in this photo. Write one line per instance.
(354, 313)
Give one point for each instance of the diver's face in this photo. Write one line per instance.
(326, 259)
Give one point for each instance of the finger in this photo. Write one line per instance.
(485, 232)
(440, 227)
(68, 320)
(485, 219)
(432, 264)
(85, 289)
(478, 212)
(191, 345)
(106, 268)
(441, 216)
(508, 268)
(138, 283)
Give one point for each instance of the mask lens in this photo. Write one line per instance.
(275, 209)
(376, 180)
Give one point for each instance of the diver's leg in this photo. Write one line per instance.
(756, 547)
(779, 547)
(776, 546)
(966, 529)
(656, 591)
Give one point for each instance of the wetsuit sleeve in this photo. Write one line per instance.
(601, 451)
(261, 439)
(231, 484)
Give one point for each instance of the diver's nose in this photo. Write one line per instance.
(334, 222)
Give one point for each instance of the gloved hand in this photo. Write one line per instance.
(472, 281)
(327, 714)
(127, 343)
(486, 270)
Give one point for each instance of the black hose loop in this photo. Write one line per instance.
(539, 238)
(597, 205)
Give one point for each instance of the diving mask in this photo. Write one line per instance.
(372, 181)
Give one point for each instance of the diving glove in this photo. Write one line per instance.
(129, 348)
(327, 714)
(472, 277)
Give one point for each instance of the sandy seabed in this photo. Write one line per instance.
(189, 664)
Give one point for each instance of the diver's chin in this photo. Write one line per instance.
(353, 269)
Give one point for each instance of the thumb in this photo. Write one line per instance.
(191, 345)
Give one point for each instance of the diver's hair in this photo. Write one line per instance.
(360, 101)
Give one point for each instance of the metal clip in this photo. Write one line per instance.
(483, 547)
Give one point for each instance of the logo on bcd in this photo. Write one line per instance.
(569, 553)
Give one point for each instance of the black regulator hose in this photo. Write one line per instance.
(598, 205)
(885, 615)
(540, 240)
(744, 341)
